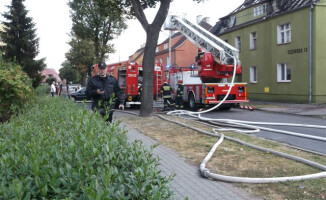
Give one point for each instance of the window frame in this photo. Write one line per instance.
(260, 10)
(282, 73)
(253, 40)
(253, 74)
(165, 46)
(284, 34)
(237, 42)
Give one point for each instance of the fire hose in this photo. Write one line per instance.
(250, 128)
(245, 124)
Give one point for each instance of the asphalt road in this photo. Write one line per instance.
(263, 116)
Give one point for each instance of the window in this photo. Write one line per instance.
(284, 33)
(232, 21)
(238, 43)
(156, 50)
(283, 72)
(260, 10)
(253, 74)
(166, 45)
(253, 40)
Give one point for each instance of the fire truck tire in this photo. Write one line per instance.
(191, 102)
(225, 107)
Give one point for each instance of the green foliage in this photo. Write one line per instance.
(15, 90)
(97, 21)
(81, 55)
(58, 150)
(67, 71)
(50, 80)
(21, 41)
(42, 90)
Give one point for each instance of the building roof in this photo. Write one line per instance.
(274, 8)
(182, 39)
(50, 72)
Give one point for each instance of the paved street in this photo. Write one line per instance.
(286, 116)
(262, 116)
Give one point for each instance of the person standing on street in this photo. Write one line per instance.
(179, 95)
(53, 89)
(64, 89)
(166, 91)
(102, 88)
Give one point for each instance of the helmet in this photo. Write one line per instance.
(167, 81)
(102, 65)
(200, 50)
(180, 81)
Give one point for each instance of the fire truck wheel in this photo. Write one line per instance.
(225, 107)
(191, 102)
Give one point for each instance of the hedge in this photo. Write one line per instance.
(58, 150)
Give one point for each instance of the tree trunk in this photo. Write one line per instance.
(152, 33)
(146, 108)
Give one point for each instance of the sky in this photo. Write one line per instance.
(53, 25)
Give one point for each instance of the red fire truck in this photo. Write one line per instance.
(206, 83)
(129, 77)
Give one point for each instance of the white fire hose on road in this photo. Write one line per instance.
(246, 124)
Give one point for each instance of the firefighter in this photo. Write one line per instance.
(103, 88)
(179, 95)
(199, 56)
(166, 91)
(140, 89)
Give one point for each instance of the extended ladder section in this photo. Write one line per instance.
(222, 51)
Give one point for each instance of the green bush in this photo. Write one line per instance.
(57, 150)
(42, 90)
(15, 90)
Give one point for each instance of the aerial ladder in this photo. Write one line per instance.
(202, 38)
(215, 64)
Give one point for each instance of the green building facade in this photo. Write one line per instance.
(282, 48)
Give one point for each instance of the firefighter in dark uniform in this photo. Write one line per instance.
(166, 91)
(179, 95)
(140, 89)
(102, 88)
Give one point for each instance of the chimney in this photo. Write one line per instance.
(207, 20)
(199, 18)
(275, 6)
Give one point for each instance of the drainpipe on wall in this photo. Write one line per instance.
(310, 52)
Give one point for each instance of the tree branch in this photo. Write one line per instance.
(140, 15)
(162, 12)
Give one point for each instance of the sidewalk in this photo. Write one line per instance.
(313, 110)
(187, 182)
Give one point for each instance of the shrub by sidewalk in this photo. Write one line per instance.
(15, 90)
(57, 150)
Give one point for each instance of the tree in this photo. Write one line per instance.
(70, 73)
(152, 34)
(81, 56)
(50, 80)
(98, 21)
(22, 44)
(136, 8)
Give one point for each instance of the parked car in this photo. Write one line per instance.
(74, 87)
(79, 95)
